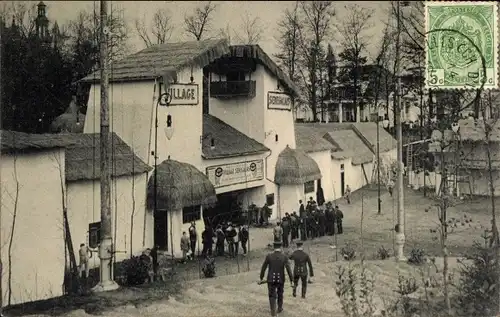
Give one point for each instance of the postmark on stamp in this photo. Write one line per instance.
(461, 45)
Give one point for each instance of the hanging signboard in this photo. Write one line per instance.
(183, 95)
(236, 173)
(277, 100)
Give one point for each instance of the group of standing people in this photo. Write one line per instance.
(227, 239)
(311, 222)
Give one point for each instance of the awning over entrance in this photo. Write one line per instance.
(179, 185)
(295, 167)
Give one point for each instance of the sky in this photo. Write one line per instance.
(228, 12)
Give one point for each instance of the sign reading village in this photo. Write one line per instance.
(183, 95)
(279, 101)
(237, 173)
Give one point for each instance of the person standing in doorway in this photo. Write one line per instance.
(275, 263)
(347, 194)
(301, 262)
(85, 254)
(193, 237)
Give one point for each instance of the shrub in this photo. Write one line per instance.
(417, 256)
(383, 253)
(348, 253)
(404, 306)
(136, 271)
(355, 292)
(477, 293)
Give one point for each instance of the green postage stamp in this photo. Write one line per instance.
(461, 45)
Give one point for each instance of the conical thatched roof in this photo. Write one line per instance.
(180, 185)
(295, 167)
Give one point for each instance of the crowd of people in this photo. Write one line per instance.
(311, 222)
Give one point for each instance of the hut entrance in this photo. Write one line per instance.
(228, 208)
(161, 229)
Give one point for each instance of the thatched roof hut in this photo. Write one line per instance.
(295, 167)
(179, 185)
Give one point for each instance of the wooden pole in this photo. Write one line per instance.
(106, 282)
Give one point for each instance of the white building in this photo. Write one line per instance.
(352, 151)
(44, 178)
(220, 139)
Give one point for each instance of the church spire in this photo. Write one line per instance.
(41, 21)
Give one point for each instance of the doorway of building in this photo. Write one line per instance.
(342, 180)
(161, 229)
(228, 208)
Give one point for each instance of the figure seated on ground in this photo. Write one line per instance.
(208, 268)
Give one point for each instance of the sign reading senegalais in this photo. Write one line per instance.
(279, 101)
(183, 95)
(236, 173)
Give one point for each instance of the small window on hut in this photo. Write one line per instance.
(94, 234)
(270, 199)
(309, 187)
(190, 214)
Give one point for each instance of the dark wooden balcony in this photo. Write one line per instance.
(232, 89)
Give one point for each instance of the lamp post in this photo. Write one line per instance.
(385, 124)
(163, 100)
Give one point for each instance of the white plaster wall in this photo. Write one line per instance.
(37, 250)
(324, 161)
(175, 229)
(335, 172)
(84, 201)
(290, 196)
(132, 109)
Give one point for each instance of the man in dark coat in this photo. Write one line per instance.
(301, 262)
(294, 222)
(339, 216)
(221, 236)
(243, 235)
(285, 225)
(276, 263)
(302, 209)
(193, 237)
(207, 238)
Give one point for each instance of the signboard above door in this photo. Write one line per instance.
(236, 173)
(277, 100)
(183, 95)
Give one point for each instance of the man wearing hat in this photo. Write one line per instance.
(276, 263)
(301, 261)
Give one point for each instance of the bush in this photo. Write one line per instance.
(383, 253)
(355, 293)
(136, 271)
(417, 256)
(477, 293)
(348, 253)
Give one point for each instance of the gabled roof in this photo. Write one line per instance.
(309, 140)
(369, 131)
(350, 146)
(83, 157)
(12, 141)
(228, 141)
(475, 131)
(164, 60)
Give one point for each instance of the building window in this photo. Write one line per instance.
(94, 234)
(309, 187)
(190, 214)
(270, 199)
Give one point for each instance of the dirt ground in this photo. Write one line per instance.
(234, 292)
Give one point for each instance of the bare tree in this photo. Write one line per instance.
(226, 33)
(354, 41)
(200, 21)
(288, 41)
(159, 31)
(313, 31)
(23, 13)
(251, 30)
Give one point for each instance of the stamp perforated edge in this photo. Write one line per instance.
(495, 34)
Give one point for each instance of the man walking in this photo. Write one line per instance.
(276, 263)
(243, 237)
(339, 216)
(285, 225)
(278, 232)
(301, 261)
